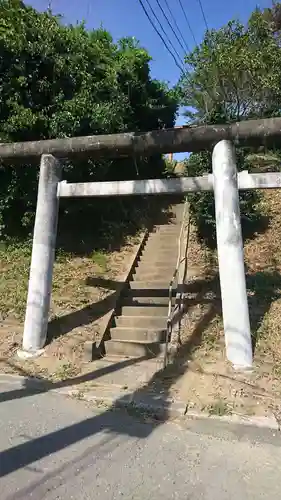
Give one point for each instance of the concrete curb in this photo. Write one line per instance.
(111, 397)
(167, 410)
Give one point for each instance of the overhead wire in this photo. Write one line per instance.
(203, 14)
(160, 35)
(187, 21)
(171, 26)
(177, 26)
(220, 80)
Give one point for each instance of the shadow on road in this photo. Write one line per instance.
(25, 454)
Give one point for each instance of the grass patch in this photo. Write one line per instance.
(220, 407)
(100, 259)
(65, 371)
(69, 279)
(81, 297)
(14, 272)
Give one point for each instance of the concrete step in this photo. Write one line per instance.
(144, 301)
(153, 258)
(161, 248)
(153, 285)
(166, 246)
(167, 233)
(157, 266)
(165, 228)
(148, 311)
(163, 236)
(133, 349)
(141, 321)
(151, 275)
(138, 334)
(168, 262)
(165, 270)
(148, 293)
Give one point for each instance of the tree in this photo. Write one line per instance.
(234, 74)
(63, 81)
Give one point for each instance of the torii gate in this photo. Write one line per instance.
(225, 182)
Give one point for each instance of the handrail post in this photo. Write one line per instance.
(173, 332)
(231, 257)
(42, 259)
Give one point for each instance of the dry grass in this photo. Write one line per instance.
(202, 376)
(84, 290)
(263, 260)
(69, 287)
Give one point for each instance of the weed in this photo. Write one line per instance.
(100, 259)
(277, 370)
(14, 265)
(66, 371)
(220, 407)
(79, 395)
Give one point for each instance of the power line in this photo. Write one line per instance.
(163, 30)
(168, 21)
(203, 14)
(177, 26)
(213, 51)
(160, 35)
(188, 23)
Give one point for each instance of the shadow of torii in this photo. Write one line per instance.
(29, 452)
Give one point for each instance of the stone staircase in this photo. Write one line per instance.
(140, 322)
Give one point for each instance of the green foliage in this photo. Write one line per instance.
(100, 259)
(63, 81)
(202, 204)
(234, 75)
(235, 72)
(170, 166)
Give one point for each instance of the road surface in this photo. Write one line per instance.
(56, 448)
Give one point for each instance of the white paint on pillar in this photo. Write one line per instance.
(231, 257)
(42, 259)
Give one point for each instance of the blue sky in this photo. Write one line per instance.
(126, 18)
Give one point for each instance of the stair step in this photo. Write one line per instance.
(133, 349)
(141, 321)
(160, 246)
(164, 235)
(168, 266)
(148, 293)
(138, 334)
(162, 238)
(160, 253)
(162, 285)
(140, 326)
(164, 266)
(166, 243)
(163, 256)
(148, 311)
(143, 301)
(150, 275)
(166, 228)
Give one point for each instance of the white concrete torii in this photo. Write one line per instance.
(224, 181)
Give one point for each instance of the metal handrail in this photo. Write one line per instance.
(180, 259)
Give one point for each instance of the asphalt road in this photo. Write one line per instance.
(55, 448)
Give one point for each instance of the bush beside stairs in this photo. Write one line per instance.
(140, 322)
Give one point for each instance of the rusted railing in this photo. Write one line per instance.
(180, 273)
